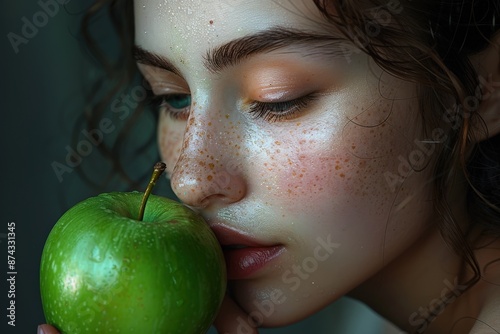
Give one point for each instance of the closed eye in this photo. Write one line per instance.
(280, 111)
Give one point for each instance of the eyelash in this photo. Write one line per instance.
(280, 111)
(268, 111)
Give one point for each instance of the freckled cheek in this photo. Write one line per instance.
(315, 175)
(333, 173)
(170, 138)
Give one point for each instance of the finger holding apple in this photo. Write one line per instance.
(46, 329)
(114, 264)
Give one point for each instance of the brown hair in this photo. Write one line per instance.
(117, 74)
(430, 45)
(427, 42)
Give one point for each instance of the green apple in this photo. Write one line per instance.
(109, 266)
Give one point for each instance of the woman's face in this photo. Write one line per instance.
(296, 149)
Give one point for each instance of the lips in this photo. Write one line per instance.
(244, 255)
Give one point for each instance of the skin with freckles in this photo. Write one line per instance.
(336, 168)
(318, 157)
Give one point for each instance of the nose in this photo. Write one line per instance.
(208, 172)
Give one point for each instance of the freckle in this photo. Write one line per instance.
(301, 175)
(209, 123)
(211, 165)
(353, 147)
(227, 116)
(277, 143)
(209, 178)
(337, 167)
(211, 21)
(342, 175)
(201, 163)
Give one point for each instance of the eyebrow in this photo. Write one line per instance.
(152, 59)
(272, 39)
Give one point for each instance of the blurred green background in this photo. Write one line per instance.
(41, 99)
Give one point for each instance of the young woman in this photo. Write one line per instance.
(336, 148)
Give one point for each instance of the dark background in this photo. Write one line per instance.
(41, 99)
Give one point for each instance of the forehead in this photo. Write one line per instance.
(185, 30)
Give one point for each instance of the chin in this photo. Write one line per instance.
(275, 306)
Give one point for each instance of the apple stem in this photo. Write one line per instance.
(157, 171)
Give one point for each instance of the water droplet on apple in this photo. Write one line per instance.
(96, 255)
